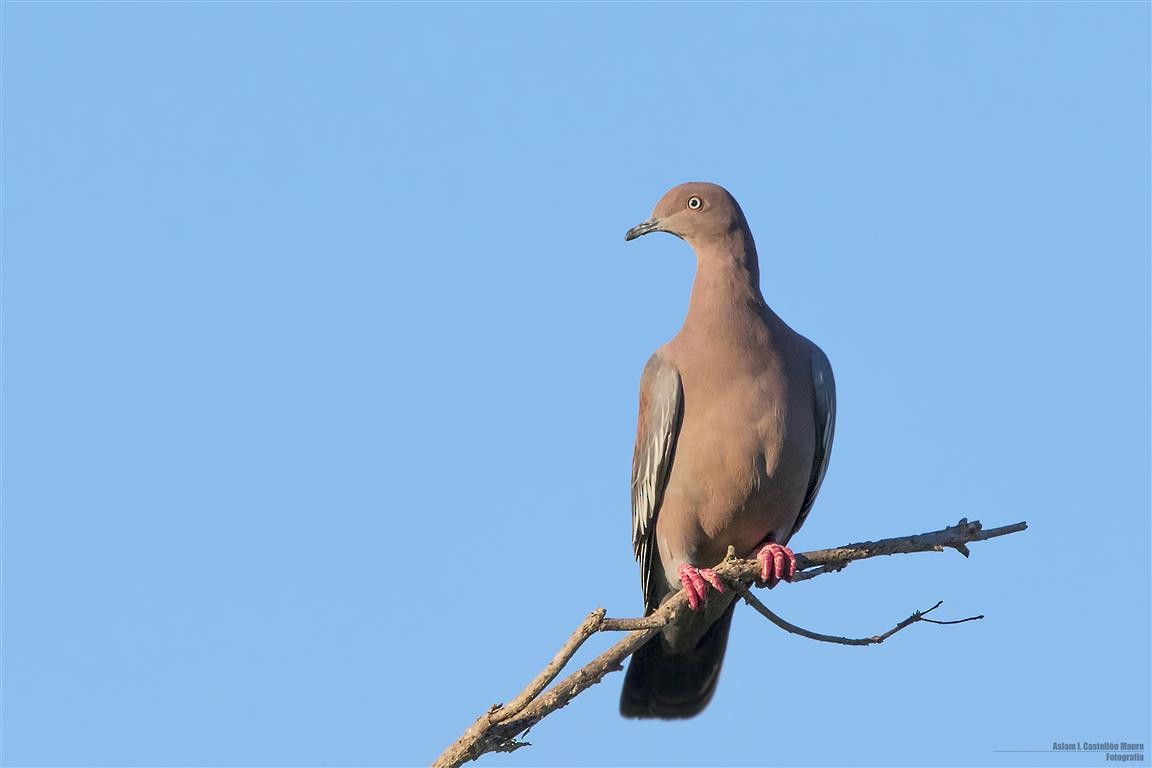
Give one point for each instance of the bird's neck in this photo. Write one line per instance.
(726, 292)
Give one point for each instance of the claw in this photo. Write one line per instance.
(776, 563)
(696, 581)
(713, 578)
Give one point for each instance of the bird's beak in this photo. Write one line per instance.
(642, 229)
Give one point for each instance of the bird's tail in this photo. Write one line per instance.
(675, 685)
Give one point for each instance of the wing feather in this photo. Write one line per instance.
(824, 397)
(661, 406)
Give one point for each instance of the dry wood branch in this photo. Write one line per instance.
(787, 626)
(496, 730)
(590, 626)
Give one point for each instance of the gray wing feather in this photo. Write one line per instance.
(824, 391)
(661, 405)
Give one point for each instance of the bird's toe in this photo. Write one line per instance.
(696, 582)
(776, 563)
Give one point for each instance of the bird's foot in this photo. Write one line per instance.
(696, 581)
(776, 563)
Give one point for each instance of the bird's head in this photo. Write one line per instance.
(696, 212)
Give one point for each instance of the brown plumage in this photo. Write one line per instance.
(735, 428)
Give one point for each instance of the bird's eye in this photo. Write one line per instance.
(695, 203)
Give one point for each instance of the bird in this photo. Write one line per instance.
(734, 433)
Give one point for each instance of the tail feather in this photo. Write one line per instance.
(672, 686)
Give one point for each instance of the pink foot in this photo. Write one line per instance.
(696, 581)
(776, 563)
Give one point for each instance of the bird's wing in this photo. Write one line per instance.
(661, 404)
(824, 398)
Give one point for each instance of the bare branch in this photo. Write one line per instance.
(787, 626)
(496, 730)
(627, 625)
(590, 626)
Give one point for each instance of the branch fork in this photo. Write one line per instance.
(498, 728)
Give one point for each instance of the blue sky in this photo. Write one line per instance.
(321, 343)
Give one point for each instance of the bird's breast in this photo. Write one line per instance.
(741, 465)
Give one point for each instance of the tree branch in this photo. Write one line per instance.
(496, 730)
(787, 626)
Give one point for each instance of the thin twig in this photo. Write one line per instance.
(787, 626)
(587, 628)
(957, 621)
(498, 728)
(593, 623)
(629, 625)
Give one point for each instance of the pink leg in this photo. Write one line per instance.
(696, 581)
(776, 563)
